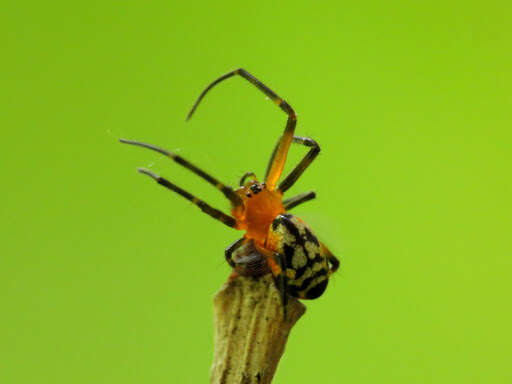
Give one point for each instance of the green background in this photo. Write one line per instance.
(107, 278)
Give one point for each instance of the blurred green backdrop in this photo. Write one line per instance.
(108, 278)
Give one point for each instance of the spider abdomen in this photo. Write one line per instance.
(304, 264)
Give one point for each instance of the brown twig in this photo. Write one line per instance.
(250, 331)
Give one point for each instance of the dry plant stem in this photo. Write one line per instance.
(250, 332)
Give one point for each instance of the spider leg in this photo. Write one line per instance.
(226, 190)
(333, 260)
(294, 175)
(272, 157)
(279, 157)
(277, 266)
(228, 253)
(299, 199)
(301, 167)
(206, 208)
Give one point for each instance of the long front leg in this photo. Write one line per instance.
(281, 152)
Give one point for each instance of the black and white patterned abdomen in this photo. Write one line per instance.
(304, 264)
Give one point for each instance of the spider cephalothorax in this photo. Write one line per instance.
(259, 208)
(274, 240)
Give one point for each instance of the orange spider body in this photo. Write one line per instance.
(259, 209)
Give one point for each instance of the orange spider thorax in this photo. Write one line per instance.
(260, 207)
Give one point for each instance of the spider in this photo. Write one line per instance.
(274, 240)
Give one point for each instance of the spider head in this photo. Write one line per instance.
(258, 209)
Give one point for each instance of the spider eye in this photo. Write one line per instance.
(256, 188)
